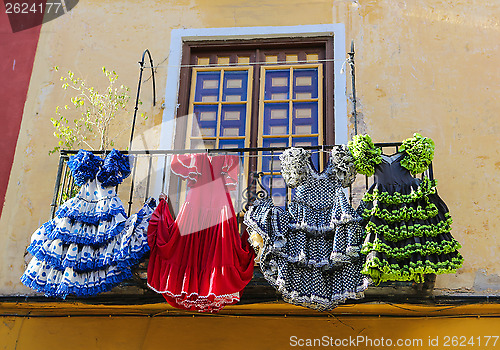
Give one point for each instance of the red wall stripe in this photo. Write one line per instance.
(17, 54)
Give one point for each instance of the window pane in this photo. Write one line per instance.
(267, 160)
(277, 84)
(276, 119)
(232, 143)
(235, 86)
(207, 87)
(305, 83)
(205, 121)
(305, 118)
(202, 144)
(233, 120)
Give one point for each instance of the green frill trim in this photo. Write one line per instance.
(419, 153)
(402, 214)
(428, 248)
(416, 230)
(381, 271)
(366, 155)
(426, 187)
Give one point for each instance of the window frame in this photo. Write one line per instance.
(182, 40)
(262, 46)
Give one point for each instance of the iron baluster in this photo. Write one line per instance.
(53, 205)
(130, 201)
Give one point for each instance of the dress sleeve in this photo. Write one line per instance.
(343, 165)
(366, 155)
(230, 171)
(419, 152)
(187, 166)
(294, 168)
(115, 169)
(84, 166)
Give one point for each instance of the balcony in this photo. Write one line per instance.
(259, 176)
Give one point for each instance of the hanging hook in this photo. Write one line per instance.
(136, 108)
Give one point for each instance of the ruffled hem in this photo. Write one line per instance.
(430, 247)
(201, 303)
(335, 262)
(41, 277)
(77, 232)
(323, 231)
(313, 301)
(415, 191)
(186, 282)
(405, 213)
(405, 231)
(381, 270)
(313, 231)
(125, 249)
(92, 213)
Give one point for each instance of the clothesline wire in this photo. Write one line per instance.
(245, 64)
(277, 153)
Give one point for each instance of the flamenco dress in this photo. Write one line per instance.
(407, 224)
(90, 245)
(198, 261)
(311, 252)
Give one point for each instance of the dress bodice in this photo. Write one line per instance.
(318, 188)
(202, 170)
(414, 157)
(390, 171)
(110, 171)
(298, 169)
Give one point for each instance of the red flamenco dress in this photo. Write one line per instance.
(199, 262)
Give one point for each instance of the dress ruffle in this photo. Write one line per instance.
(382, 268)
(125, 249)
(311, 252)
(419, 152)
(115, 169)
(294, 166)
(89, 246)
(44, 278)
(343, 165)
(199, 261)
(187, 289)
(72, 231)
(93, 204)
(84, 166)
(407, 225)
(366, 155)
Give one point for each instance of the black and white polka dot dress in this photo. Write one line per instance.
(310, 253)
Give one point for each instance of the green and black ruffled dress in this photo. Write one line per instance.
(407, 224)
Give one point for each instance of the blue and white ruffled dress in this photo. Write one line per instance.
(90, 245)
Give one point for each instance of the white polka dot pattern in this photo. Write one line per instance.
(310, 253)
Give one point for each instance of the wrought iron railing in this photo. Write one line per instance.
(151, 176)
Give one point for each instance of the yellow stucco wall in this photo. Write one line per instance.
(422, 66)
(270, 326)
